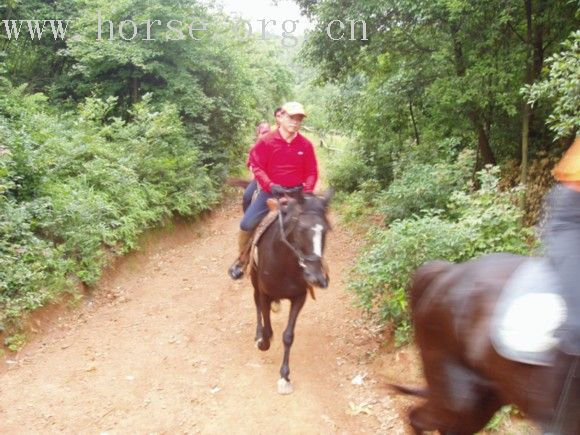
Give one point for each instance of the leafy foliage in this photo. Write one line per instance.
(482, 222)
(356, 207)
(78, 188)
(220, 81)
(430, 70)
(562, 86)
(347, 172)
(423, 186)
(444, 73)
(102, 139)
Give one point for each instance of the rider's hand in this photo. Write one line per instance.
(277, 190)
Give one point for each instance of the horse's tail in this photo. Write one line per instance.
(424, 276)
(237, 182)
(419, 392)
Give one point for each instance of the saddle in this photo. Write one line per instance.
(264, 224)
(528, 313)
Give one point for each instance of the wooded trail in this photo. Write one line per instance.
(166, 345)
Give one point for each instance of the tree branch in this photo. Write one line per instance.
(520, 37)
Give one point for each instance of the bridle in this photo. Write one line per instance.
(302, 258)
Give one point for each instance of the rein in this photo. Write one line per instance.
(299, 255)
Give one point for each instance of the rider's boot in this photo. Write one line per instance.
(236, 270)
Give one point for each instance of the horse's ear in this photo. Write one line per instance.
(327, 196)
(281, 204)
(288, 205)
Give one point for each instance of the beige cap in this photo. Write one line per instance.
(294, 108)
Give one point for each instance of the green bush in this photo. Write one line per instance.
(347, 171)
(80, 187)
(495, 215)
(356, 207)
(383, 271)
(561, 88)
(422, 186)
(32, 270)
(482, 222)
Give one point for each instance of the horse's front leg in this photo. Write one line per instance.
(284, 386)
(263, 342)
(259, 327)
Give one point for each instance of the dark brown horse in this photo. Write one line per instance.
(468, 381)
(289, 264)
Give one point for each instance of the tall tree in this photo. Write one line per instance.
(185, 52)
(463, 61)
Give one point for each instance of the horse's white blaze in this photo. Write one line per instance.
(317, 239)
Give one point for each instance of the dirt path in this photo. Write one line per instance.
(166, 346)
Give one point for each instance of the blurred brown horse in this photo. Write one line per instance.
(468, 381)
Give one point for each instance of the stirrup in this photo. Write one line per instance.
(236, 271)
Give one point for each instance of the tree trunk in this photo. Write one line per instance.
(538, 41)
(526, 112)
(534, 63)
(487, 157)
(474, 116)
(414, 122)
(526, 116)
(134, 90)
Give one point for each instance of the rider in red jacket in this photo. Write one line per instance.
(280, 159)
(289, 164)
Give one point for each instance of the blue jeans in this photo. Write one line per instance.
(562, 239)
(255, 212)
(248, 194)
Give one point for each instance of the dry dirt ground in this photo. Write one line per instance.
(165, 344)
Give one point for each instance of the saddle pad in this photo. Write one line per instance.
(528, 313)
(264, 224)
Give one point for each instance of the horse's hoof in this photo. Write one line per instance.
(236, 271)
(275, 307)
(262, 344)
(284, 387)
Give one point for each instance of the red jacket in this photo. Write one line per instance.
(275, 161)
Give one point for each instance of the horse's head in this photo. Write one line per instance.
(305, 226)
